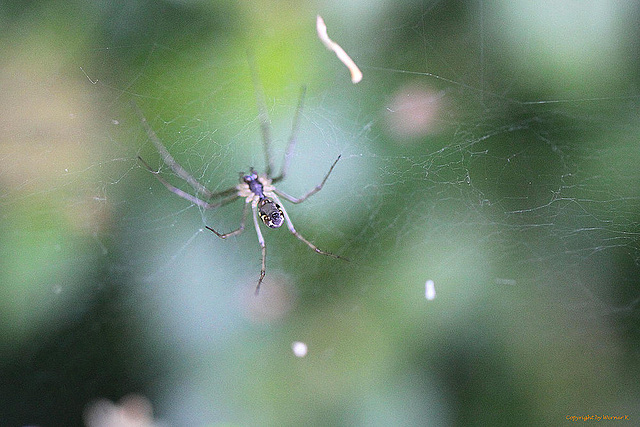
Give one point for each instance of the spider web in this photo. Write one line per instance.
(510, 189)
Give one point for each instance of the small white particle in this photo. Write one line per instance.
(430, 290)
(299, 349)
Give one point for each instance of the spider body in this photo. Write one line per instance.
(253, 188)
(258, 190)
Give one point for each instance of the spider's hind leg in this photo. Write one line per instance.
(300, 237)
(263, 246)
(234, 232)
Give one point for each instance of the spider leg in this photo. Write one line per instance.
(237, 230)
(310, 193)
(263, 269)
(293, 138)
(263, 116)
(300, 237)
(193, 199)
(168, 158)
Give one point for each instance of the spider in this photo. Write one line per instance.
(258, 190)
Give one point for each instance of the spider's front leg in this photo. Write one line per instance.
(228, 196)
(317, 188)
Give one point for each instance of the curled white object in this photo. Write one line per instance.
(356, 74)
(430, 290)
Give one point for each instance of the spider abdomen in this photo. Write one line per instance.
(270, 213)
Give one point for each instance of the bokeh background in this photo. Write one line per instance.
(492, 147)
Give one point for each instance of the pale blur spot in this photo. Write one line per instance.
(273, 302)
(299, 349)
(132, 411)
(415, 110)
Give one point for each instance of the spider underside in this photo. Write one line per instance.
(258, 190)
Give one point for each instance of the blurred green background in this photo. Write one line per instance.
(492, 147)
